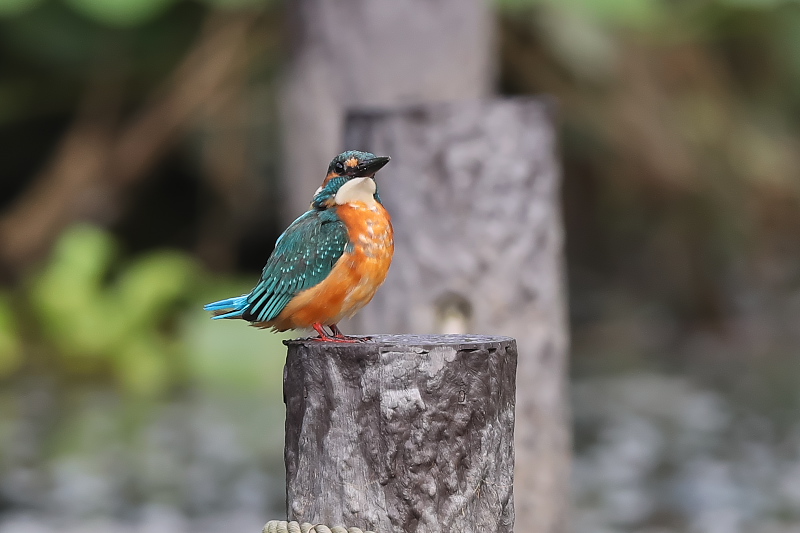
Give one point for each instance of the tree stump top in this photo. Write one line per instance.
(457, 342)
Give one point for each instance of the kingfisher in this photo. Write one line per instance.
(329, 263)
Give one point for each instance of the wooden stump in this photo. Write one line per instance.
(473, 190)
(402, 434)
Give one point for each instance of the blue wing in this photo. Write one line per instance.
(304, 256)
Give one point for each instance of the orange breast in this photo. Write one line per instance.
(355, 277)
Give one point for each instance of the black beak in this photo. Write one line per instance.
(368, 168)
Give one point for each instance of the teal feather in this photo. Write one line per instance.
(304, 256)
(328, 192)
(236, 307)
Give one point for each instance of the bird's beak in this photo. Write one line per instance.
(368, 168)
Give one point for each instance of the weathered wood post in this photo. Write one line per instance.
(402, 434)
(473, 190)
(367, 52)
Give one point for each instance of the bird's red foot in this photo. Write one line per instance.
(337, 335)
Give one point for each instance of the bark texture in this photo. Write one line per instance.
(375, 53)
(473, 191)
(402, 434)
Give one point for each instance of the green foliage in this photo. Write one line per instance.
(96, 320)
(237, 4)
(10, 343)
(120, 12)
(10, 8)
(679, 143)
(138, 323)
(227, 355)
(639, 13)
(754, 4)
(51, 36)
(786, 43)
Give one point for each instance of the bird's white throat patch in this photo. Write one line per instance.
(356, 190)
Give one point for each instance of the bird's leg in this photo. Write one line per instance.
(336, 331)
(337, 335)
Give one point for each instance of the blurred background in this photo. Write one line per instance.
(141, 176)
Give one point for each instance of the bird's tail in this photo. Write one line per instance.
(230, 308)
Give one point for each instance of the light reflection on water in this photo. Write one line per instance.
(659, 454)
(91, 461)
(655, 454)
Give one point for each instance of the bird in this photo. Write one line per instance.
(329, 262)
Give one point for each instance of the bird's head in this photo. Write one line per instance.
(350, 178)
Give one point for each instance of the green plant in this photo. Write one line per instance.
(99, 319)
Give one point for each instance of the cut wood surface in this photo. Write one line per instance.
(473, 191)
(402, 434)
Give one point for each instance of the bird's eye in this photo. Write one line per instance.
(339, 167)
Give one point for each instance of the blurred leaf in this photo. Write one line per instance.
(142, 367)
(120, 12)
(584, 47)
(55, 36)
(148, 287)
(238, 4)
(758, 4)
(230, 355)
(10, 345)
(763, 155)
(786, 42)
(516, 4)
(10, 8)
(67, 294)
(117, 322)
(82, 257)
(637, 13)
